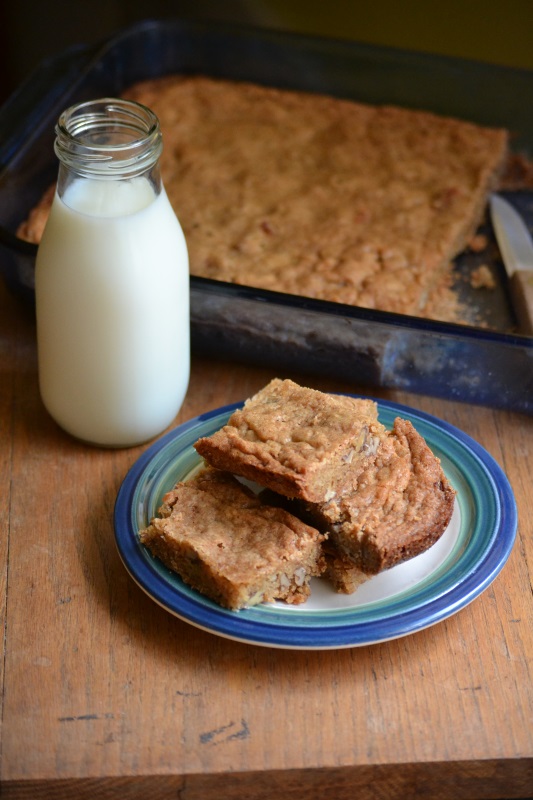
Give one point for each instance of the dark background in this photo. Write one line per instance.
(497, 31)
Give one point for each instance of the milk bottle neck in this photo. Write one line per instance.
(108, 140)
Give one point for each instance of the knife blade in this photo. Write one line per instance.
(516, 248)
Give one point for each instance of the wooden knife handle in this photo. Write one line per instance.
(521, 289)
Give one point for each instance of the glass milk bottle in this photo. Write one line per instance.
(112, 281)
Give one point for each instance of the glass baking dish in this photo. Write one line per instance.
(486, 366)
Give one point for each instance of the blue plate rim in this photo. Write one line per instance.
(347, 632)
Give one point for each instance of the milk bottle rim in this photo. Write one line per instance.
(108, 138)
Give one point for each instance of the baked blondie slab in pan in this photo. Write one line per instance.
(317, 196)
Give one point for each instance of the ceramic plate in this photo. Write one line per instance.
(405, 599)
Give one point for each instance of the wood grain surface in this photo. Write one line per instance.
(106, 695)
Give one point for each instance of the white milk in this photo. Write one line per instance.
(112, 298)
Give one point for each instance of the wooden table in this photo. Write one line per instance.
(107, 695)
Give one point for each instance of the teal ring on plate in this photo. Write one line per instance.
(484, 534)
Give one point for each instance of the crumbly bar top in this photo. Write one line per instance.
(226, 543)
(399, 507)
(297, 441)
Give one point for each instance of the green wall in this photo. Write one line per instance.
(493, 31)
